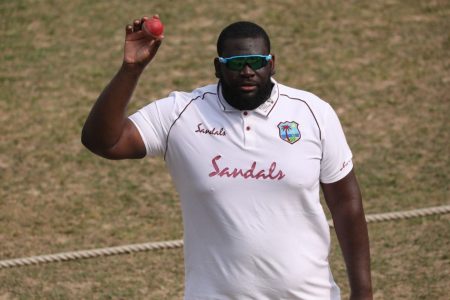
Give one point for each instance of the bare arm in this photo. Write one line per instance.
(107, 131)
(344, 201)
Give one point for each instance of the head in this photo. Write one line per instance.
(245, 82)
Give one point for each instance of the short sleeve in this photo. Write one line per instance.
(153, 123)
(336, 154)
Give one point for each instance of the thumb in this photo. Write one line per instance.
(154, 46)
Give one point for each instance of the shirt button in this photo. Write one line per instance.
(248, 128)
(245, 113)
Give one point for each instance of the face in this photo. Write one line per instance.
(248, 88)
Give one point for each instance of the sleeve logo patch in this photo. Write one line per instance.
(289, 131)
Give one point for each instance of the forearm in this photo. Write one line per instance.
(351, 230)
(107, 118)
(344, 201)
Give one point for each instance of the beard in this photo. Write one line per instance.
(246, 100)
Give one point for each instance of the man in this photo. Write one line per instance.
(247, 156)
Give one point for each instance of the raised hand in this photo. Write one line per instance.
(140, 47)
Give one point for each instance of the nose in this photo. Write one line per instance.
(247, 71)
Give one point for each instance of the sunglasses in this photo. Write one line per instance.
(237, 63)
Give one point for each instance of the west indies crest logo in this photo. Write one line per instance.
(289, 131)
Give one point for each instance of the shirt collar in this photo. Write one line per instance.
(264, 109)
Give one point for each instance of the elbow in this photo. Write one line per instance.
(85, 140)
(93, 146)
(89, 142)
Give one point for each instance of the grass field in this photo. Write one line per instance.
(383, 65)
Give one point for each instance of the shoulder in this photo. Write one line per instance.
(182, 98)
(177, 100)
(198, 93)
(292, 95)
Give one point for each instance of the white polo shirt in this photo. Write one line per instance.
(248, 182)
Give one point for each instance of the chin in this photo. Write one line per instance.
(245, 100)
(249, 102)
(250, 97)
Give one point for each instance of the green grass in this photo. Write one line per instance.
(383, 65)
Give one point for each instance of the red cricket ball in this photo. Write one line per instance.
(154, 27)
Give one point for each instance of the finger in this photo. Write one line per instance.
(143, 20)
(137, 25)
(128, 29)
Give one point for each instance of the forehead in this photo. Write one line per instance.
(241, 46)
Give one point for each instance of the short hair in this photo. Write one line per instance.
(241, 29)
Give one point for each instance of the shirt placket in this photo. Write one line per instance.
(248, 119)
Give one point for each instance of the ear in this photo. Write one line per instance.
(272, 65)
(217, 68)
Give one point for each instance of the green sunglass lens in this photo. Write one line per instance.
(237, 64)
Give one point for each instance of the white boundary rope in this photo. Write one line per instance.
(422, 212)
(68, 256)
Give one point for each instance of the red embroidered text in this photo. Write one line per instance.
(344, 165)
(252, 172)
(213, 131)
